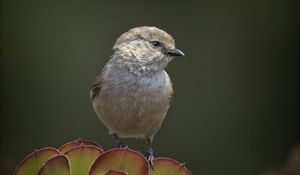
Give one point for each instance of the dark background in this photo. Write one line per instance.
(235, 109)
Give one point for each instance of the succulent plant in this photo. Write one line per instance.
(81, 157)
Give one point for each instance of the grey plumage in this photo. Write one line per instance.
(132, 94)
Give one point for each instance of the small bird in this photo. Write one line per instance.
(132, 94)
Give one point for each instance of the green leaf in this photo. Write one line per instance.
(82, 157)
(115, 172)
(163, 166)
(33, 162)
(58, 165)
(69, 145)
(124, 159)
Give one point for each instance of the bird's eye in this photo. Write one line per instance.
(156, 43)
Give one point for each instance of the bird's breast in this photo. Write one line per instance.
(138, 90)
(144, 84)
(133, 106)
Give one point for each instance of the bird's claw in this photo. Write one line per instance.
(150, 161)
(121, 145)
(150, 158)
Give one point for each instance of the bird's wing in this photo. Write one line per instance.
(95, 90)
(97, 86)
(98, 83)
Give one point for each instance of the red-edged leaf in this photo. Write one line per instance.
(33, 162)
(82, 157)
(163, 166)
(69, 145)
(115, 172)
(124, 159)
(58, 165)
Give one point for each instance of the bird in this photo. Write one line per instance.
(132, 94)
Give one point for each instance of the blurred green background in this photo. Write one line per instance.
(235, 109)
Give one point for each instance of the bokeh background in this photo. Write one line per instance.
(236, 104)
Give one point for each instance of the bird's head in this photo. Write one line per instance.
(146, 46)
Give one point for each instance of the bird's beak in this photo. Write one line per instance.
(175, 52)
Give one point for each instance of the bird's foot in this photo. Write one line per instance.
(150, 157)
(120, 144)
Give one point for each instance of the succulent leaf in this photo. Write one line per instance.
(81, 158)
(58, 165)
(115, 172)
(69, 145)
(164, 166)
(124, 159)
(34, 161)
